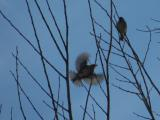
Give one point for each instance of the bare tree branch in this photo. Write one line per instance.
(28, 41)
(41, 54)
(67, 62)
(49, 30)
(34, 108)
(142, 116)
(86, 103)
(18, 91)
(94, 113)
(53, 109)
(85, 111)
(11, 113)
(56, 24)
(0, 108)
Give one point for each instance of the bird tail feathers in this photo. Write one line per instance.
(94, 79)
(121, 37)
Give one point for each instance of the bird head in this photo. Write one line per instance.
(121, 19)
(93, 66)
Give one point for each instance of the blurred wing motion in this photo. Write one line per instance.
(122, 28)
(94, 79)
(84, 72)
(81, 61)
(73, 77)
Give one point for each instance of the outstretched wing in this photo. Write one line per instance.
(73, 77)
(81, 61)
(94, 79)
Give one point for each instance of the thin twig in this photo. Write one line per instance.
(11, 113)
(126, 81)
(148, 47)
(36, 81)
(87, 98)
(28, 41)
(142, 116)
(152, 30)
(114, 6)
(144, 99)
(118, 66)
(41, 54)
(94, 113)
(112, 44)
(53, 109)
(105, 10)
(125, 90)
(95, 100)
(49, 30)
(61, 106)
(67, 62)
(144, 69)
(155, 20)
(97, 53)
(37, 112)
(96, 40)
(102, 27)
(55, 22)
(59, 87)
(63, 113)
(0, 108)
(87, 112)
(107, 63)
(18, 91)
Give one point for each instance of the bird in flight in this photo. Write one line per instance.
(85, 71)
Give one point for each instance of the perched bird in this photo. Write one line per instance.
(84, 71)
(122, 28)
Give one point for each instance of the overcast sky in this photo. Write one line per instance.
(137, 13)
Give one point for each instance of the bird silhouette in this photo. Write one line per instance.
(122, 28)
(84, 71)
